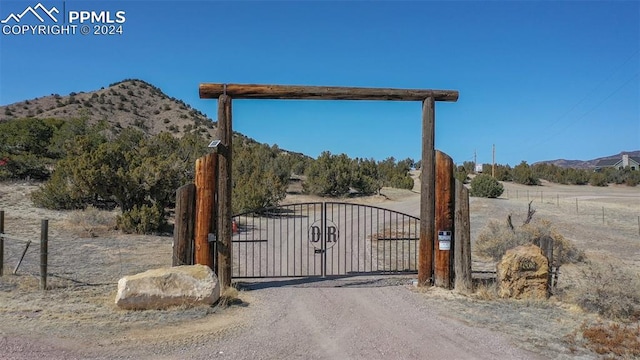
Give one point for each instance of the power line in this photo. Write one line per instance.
(570, 123)
(595, 88)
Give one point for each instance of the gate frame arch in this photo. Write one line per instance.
(226, 92)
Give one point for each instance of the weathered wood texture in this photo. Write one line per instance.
(254, 91)
(445, 186)
(205, 199)
(183, 240)
(225, 134)
(427, 194)
(462, 237)
(44, 253)
(546, 245)
(1, 243)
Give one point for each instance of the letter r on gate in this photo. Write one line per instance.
(332, 234)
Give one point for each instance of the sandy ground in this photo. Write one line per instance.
(372, 317)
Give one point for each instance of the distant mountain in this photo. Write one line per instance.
(586, 164)
(122, 104)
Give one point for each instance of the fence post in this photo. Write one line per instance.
(427, 194)
(44, 246)
(1, 242)
(462, 237)
(183, 240)
(224, 244)
(546, 245)
(204, 203)
(445, 198)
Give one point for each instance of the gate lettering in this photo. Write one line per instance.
(316, 234)
(323, 234)
(332, 235)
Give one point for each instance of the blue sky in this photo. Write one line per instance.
(540, 80)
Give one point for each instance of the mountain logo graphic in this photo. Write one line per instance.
(35, 11)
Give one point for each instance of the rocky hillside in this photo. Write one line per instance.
(122, 104)
(586, 164)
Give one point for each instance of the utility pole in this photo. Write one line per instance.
(493, 166)
(475, 161)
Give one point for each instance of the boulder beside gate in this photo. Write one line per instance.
(162, 288)
(523, 273)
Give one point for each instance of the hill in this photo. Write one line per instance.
(126, 103)
(586, 164)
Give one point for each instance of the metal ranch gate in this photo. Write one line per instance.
(323, 239)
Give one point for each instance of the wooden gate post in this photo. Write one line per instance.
(445, 185)
(225, 135)
(427, 194)
(462, 238)
(183, 239)
(205, 199)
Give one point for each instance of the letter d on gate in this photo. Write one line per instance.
(316, 234)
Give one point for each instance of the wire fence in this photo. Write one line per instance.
(72, 260)
(613, 211)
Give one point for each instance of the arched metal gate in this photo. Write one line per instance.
(323, 238)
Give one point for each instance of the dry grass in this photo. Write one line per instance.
(92, 222)
(498, 237)
(610, 340)
(608, 290)
(486, 291)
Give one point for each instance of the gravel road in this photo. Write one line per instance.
(355, 318)
(346, 318)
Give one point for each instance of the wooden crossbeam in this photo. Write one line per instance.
(254, 91)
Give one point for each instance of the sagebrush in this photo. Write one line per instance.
(498, 237)
(609, 290)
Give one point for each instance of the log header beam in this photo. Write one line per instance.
(254, 91)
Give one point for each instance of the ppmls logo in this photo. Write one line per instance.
(40, 20)
(34, 12)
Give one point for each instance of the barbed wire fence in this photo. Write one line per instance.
(586, 208)
(77, 261)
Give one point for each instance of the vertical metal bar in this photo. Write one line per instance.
(384, 243)
(323, 244)
(358, 239)
(371, 235)
(378, 236)
(253, 237)
(396, 242)
(311, 269)
(403, 241)
(337, 251)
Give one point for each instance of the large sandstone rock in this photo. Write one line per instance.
(523, 273)
(166, 287)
